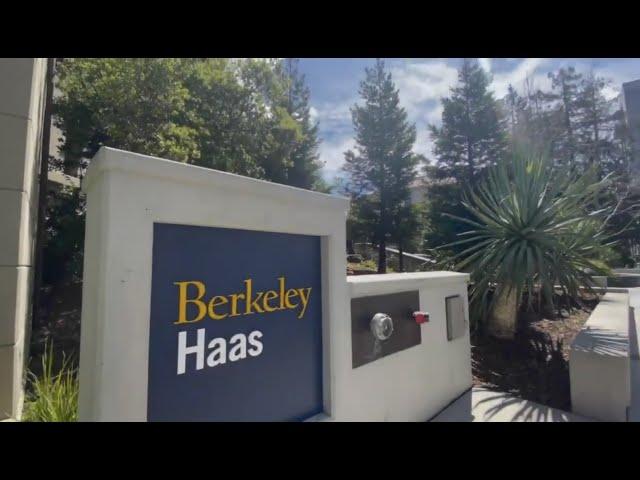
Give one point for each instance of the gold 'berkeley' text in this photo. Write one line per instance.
(247, 302)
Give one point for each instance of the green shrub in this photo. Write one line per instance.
(54, 396)
(535, 227)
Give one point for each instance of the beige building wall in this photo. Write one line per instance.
(22, 95)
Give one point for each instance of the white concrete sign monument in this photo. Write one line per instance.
(210, 297)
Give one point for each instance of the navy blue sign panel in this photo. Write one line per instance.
(236, 325)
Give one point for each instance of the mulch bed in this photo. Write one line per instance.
(535, 365)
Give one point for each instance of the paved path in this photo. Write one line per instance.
(482, 405)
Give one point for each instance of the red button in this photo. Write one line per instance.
(421, 317)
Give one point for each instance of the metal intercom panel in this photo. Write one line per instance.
(404, 333)
(456, 322)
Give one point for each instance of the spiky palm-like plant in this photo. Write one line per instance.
(536, 227)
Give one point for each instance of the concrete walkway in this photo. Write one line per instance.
(482, 405)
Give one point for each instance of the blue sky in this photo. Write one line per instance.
(422, 82)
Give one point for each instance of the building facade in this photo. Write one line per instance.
(631, 107)
(22, 104)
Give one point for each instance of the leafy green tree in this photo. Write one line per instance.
(472, 137)
(133, 104)
(246, 116)
(383, 163)
(225, 114)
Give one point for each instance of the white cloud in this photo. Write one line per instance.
(529, 67)
(609, 92)
(332, 152)
(434, 115)
(313, 114)
(485, 63)
(334, 117)
(423, 81)
(336, 132)
(424, 144)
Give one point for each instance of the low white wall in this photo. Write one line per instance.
(599, 362)
(417, 383)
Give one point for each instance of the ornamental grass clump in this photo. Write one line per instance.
(54, 396)
(535, 227)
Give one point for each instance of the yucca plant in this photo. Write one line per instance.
(55, 395)
(536, 227)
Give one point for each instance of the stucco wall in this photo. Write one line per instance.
(417, 383)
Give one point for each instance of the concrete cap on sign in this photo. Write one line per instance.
(375, 284)
(148, 166)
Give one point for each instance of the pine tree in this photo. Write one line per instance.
(305, 166)
(472, 137)
(383, 163)
(515, 108)
(541, 122)
(520, 118)
(579, 127)
(565, 86)
(596, 124)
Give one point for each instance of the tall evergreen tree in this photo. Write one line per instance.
(565, 84)
(383, 163)
(305, 165)
(541, 121)
(513, 102)
(472, 137)
(596, 124)
(576, 124)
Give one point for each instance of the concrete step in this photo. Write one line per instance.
(484, 405)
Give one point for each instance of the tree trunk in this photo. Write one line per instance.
(401, 259)
(350, 250)
(43, 196)
(502, 321)
(382, 256)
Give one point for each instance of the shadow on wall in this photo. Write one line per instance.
(605, 342)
